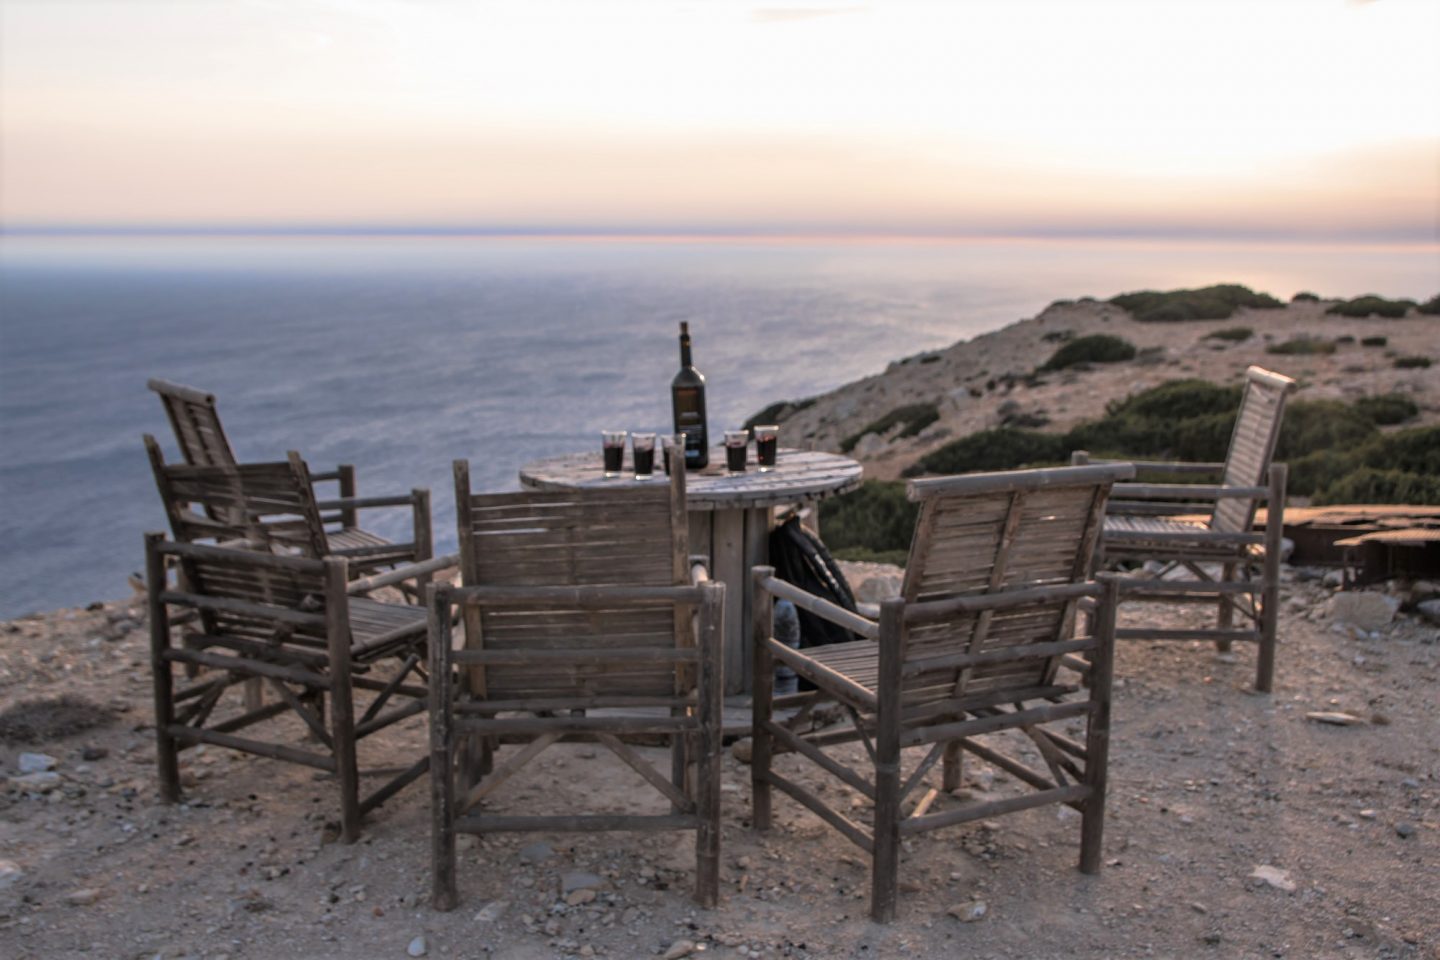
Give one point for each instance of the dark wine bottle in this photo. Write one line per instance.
(687, 400)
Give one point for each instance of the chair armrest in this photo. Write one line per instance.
(402, 573)
(1187, 491)
(822, 608)
(871, 611)
(362, 503)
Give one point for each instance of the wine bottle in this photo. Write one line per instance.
(687, 400)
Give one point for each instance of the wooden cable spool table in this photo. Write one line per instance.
(730, 518)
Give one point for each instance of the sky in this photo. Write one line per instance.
(1251, 118)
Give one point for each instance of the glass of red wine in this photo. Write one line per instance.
(613, 447)
(767, 442)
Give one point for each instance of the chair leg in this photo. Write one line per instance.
(166, 755)
(443, 891)
(885, 866)
(347, 766)
(762, 704)
(1097, 735)
(953, 769)
(1225, 612)
(710, 686)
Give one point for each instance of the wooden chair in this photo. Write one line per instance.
(273, 505)
(286, 621)
(970, 649)
(203, 443)
(1208, 531)
(579, 625)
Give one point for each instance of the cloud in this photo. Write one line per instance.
(792, 14)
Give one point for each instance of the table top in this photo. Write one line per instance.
(799, 476)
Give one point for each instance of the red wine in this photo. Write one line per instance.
(765, 449)
(735, 457)
(645, 462)
(614, 460)
(687, 401)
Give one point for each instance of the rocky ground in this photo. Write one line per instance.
(1238, 825)
(986, 382)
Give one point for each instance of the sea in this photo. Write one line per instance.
(400, 354)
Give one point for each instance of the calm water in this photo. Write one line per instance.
(401, 354)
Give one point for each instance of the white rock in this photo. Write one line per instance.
(969, 912)
(82, 898)
(10, 873)
(1363, 608)
(678, 949)
(42, 782)
(1430, 610)
(881, 584)
(36, 762)
(418, 947)
(1275, 877)
(492, 911)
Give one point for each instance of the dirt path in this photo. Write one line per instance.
(1208, 782)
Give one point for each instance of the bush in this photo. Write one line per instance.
(1302, 346)
(1208, 303)
(1096, 348)
(1412, 363)
(1327, 473)
(875, 519)
(1315, 471)
(1382, 486)
(1415, 450)
(1371, 305)
(1431, 307)
(1234, 334)
(1373, 341)
(1387, 410)
(1002, 449)
(1305, 296)
(779, 412)
(915, 417)
(1313, 425)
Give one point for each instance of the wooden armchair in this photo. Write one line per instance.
(1207, 531)
(273, 505)
(289, 623)
(578, 612)
(203, 443)
(971, 649)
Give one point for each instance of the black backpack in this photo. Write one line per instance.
(801, 559)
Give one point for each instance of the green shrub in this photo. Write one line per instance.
(1415, 450)
(1431, 307)
(1181, 420)
(1208, 303)
(915, 417)
(1002, 449)
(1373, 341)
(1315, 471)
(1371, 305)
(779, 412)
(1387, 410)
(1344, 338)
(1234, 334)
(1302, 346)
(1382, 486)
(1176, 399)
(1305, 296)
(1313, 425)
(1412, 363)
(1096, 348)
(876, 518)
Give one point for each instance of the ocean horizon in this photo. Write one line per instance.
(400, 353)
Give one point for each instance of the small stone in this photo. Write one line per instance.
(82, 898)
(536, 852)
(1363, 608)
(91, 754)
(1430, 610)
(1275, 877)
(742, 750)
(678, 949)
(1335, 718)
(1404, 830)
(10, 873)
(577, 898)
(1198, 907)
(492, 911)
(418, 947)
(1367, 814)
(36, 762)
(41, 782)
(969, 912)
(578, 880)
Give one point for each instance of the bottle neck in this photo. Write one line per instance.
(685, 352)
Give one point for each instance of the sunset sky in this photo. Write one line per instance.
(1257, 118)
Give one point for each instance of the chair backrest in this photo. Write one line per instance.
(1252, 445)
(625, 535)
(249, 596)
(265, 503)
(993, 534)
(196, 424)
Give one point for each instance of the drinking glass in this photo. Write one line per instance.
(667, 450)
(767, 441)
(735, 443)
(613, 446)
(642, 446)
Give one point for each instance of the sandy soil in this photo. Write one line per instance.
(981, 383)
(1209, 782)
